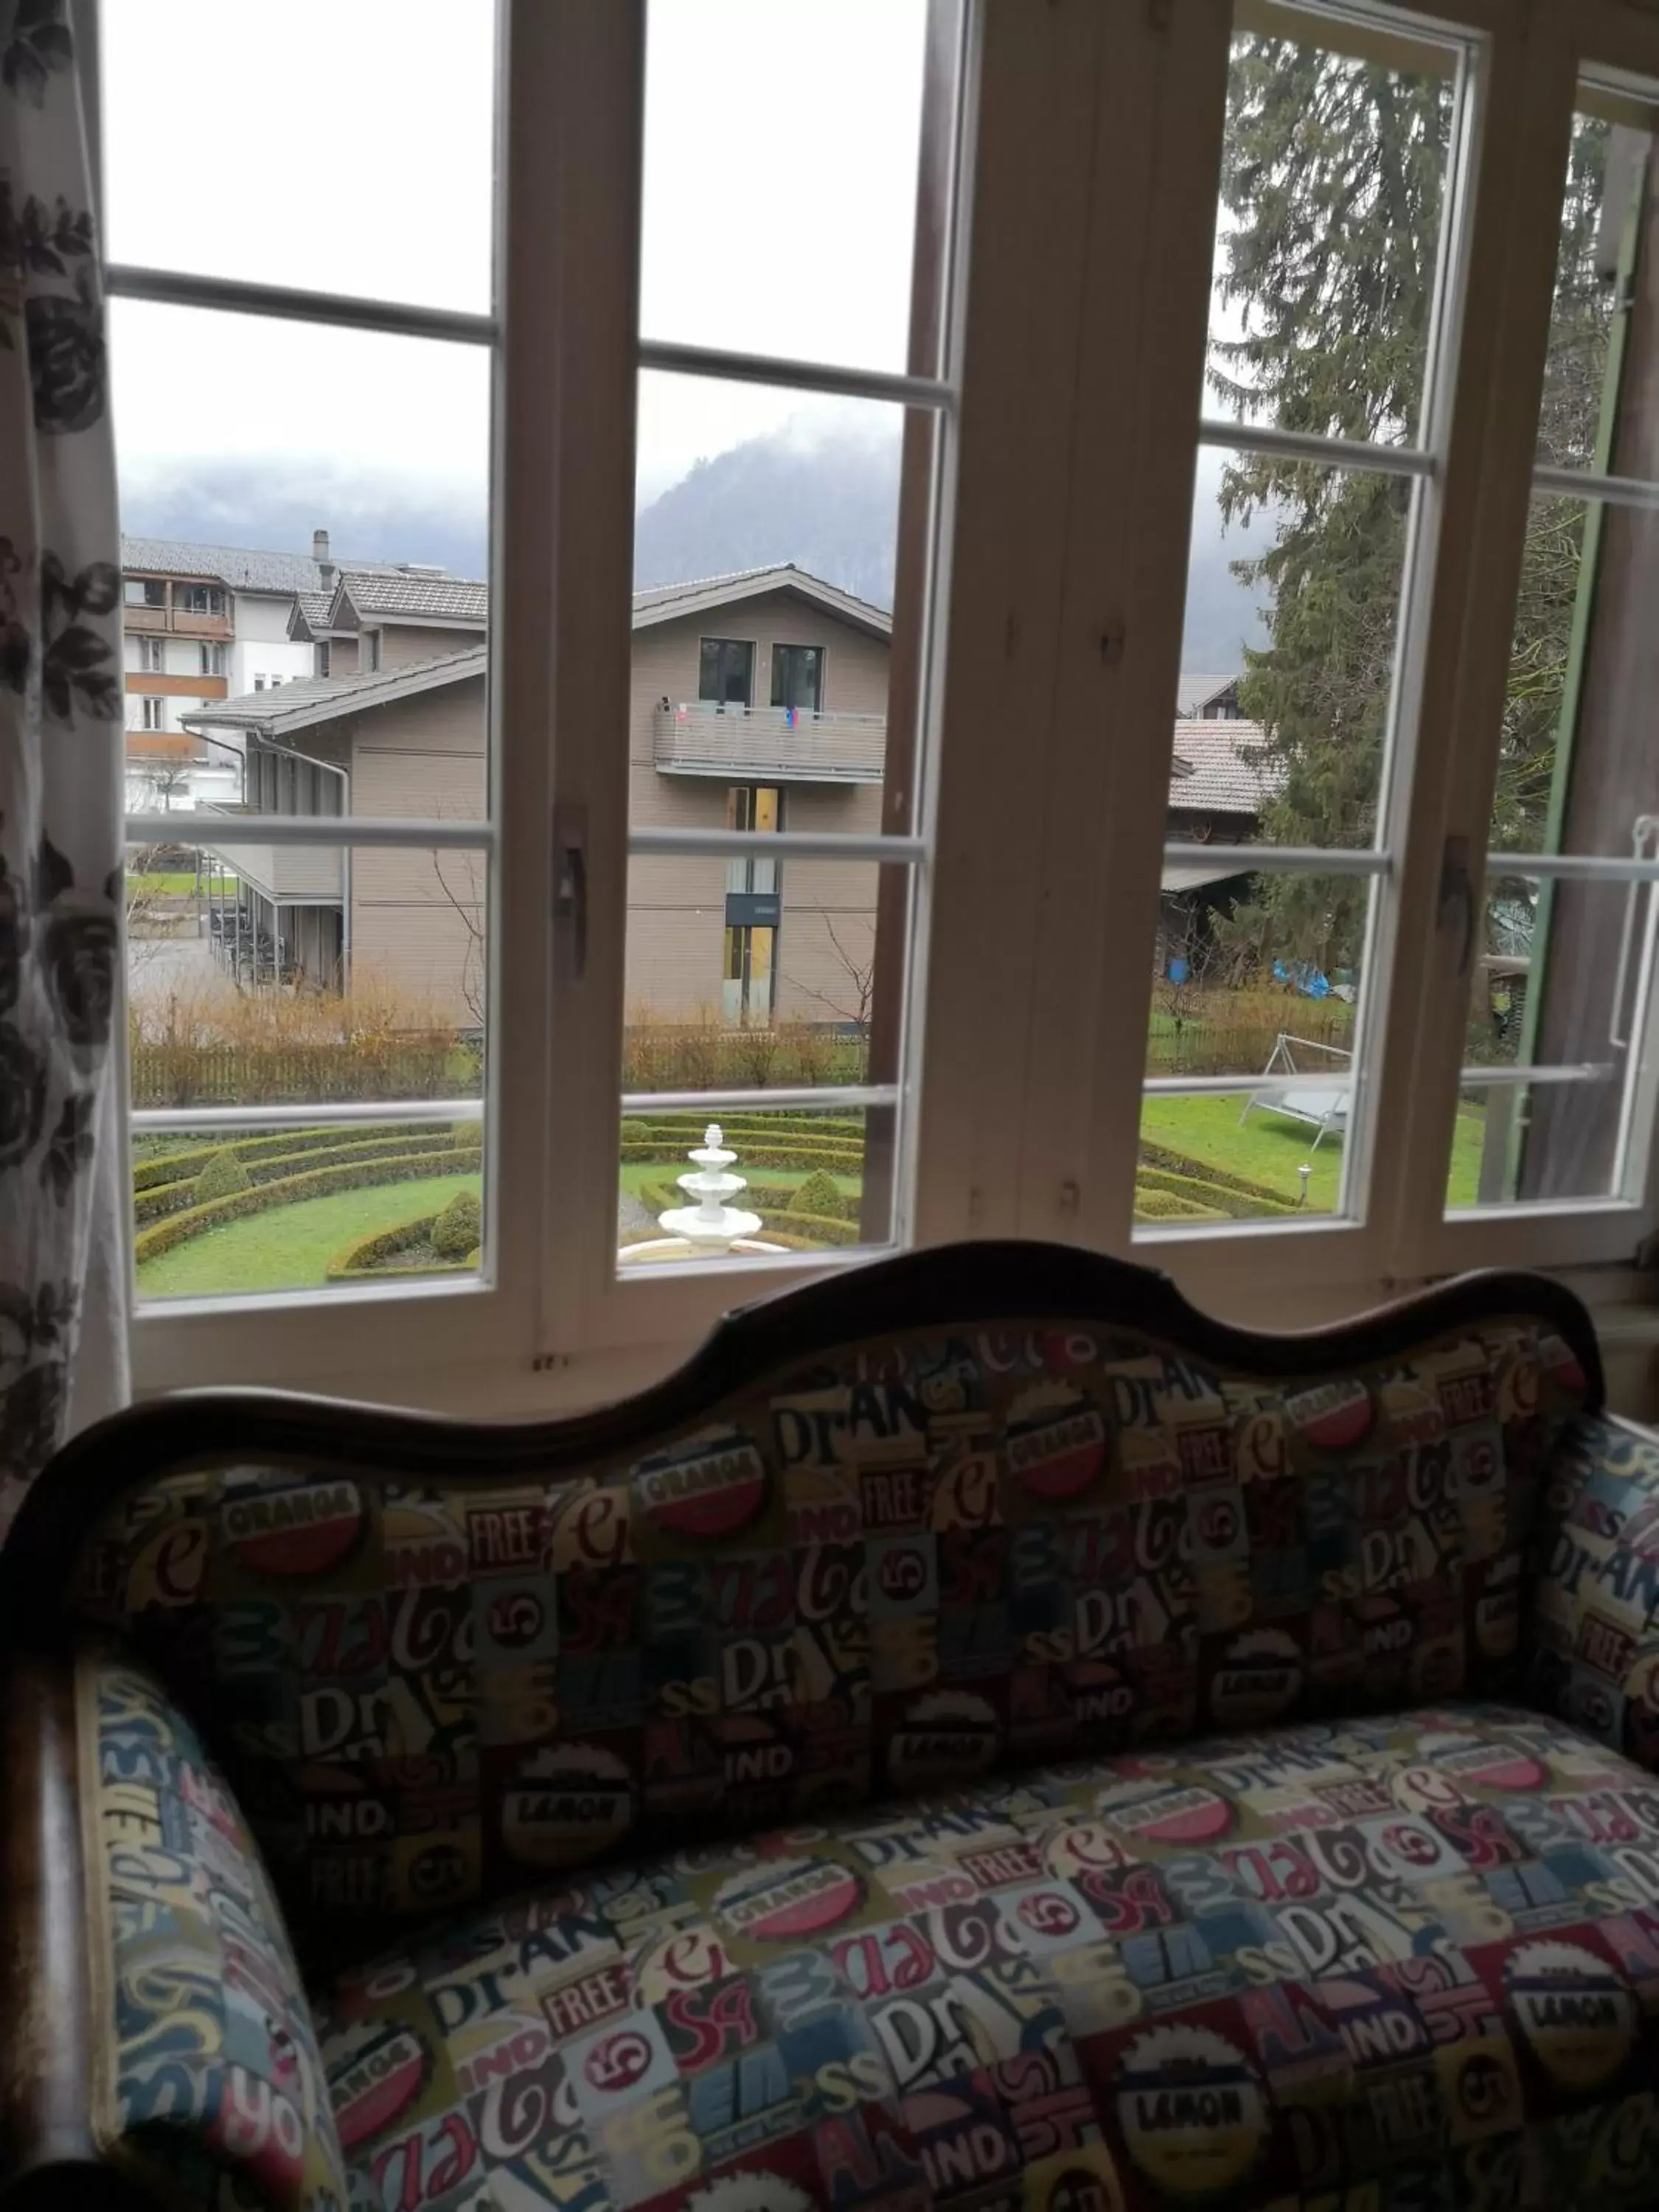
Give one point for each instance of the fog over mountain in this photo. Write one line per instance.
(827, 504)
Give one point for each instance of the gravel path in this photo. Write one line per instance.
(632, 1213)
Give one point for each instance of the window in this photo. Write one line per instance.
(154, 713)
(725, 672)
(199, 599)
(144, 591)
(151, 652)
(259, 683)
(1346, 981)
(798, 678)
(213, 660)
(322, 657)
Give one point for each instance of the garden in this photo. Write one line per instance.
(354, 1202)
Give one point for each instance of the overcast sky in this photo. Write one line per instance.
(346, 144)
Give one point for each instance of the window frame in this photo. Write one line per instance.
(823, 657)
(1056, 616)
(722, 645)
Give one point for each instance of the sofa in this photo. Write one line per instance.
(982, 1733)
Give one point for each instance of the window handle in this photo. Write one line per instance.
(1457, 891)
(570, 882)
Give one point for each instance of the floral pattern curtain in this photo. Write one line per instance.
(61, 1338)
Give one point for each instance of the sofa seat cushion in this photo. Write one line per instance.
(1420, 1952)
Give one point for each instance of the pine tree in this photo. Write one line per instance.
(1332, 188)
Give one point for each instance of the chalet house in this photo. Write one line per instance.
(759, 702)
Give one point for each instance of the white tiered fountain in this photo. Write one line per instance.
(711, 1227)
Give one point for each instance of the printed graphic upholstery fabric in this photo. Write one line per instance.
(913, 1562)
(1594, 1631)
(210, 2064)
(1415, 1959)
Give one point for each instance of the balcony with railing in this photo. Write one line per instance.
(785, 745)
(302, 875)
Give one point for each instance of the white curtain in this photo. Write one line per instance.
(62, 1335)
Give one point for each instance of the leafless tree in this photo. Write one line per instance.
(851, 999)
(464, 888)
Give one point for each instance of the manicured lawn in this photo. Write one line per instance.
(289, 1247)
(1268, 1148)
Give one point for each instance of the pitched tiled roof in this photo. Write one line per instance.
(241, 567)
(430, 599)
(309, 699)
(661, 602)
(313, 607)
(1195, 693)
(1230, 773)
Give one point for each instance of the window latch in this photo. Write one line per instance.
(1457, 897)
(570, 882)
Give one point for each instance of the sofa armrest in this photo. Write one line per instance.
(1593, 1631)
(170, 2048)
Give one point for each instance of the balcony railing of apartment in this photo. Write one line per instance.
(790, 743)
(171, 620)
(307, 875)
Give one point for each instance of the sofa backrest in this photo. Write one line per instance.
(887, 1566)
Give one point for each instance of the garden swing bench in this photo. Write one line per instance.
(1318, 1108)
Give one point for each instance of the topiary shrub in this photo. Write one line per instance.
(814, 1229)
(318, 1183)
(1167, 1206)
(1220, 1192)
(634, 1131)
(819, 1194)
(458, 1229)
(223, 1177)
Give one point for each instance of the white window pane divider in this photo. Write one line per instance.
(304, 1115)
(1575, 867)
(195, 828)
(1281, 859)
(1506, 1075)
(930, 391)
(831, 1096)
(774, 845)
(177, 288)
(1586, 484)
(1309, 446)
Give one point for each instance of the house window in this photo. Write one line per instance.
(213, 660)
(725, 671)
(798, 676)
(155, 714)
(200, 599)
(322, 657)
(371, 650)
(144, 591)
(150, 652)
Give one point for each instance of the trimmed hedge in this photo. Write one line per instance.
(815, 1228)
(318, 1183)
(820, 1194)
(223, 1175)
(362, 1257)
(1218, 1196)
(155, 1200)
(1183, 1164)
(458, 1227)
(840, 1159)
(172, 1167)
(1166, 1205)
